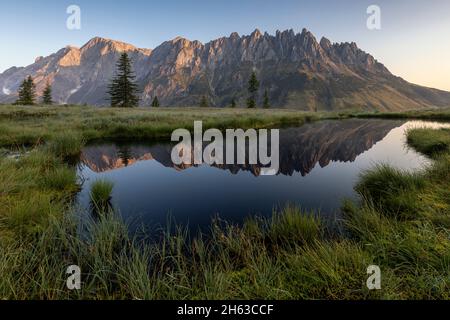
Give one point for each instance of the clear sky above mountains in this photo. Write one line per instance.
(414, 40)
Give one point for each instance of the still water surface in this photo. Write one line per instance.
(319, 166)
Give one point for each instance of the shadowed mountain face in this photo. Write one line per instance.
(297, 71)
(301, 149)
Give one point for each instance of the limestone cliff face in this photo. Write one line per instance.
(297, 70)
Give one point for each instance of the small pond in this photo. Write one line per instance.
(319, 165)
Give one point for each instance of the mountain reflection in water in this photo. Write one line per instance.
(301, 149)
(319, 165)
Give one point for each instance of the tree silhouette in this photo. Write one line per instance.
(155, 102)
(47, 95)
(204, 102)
(123, 90)
(253, 87)
(124, 154)
(266, 103)
(27, 92)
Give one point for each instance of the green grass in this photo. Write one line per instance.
(62, 178)
(74, 125)
(294, 227)
(100, 194)
(401, 224)
(67, 145)
(433, 114)
(430, 142)
(67, 128)
(392, 191)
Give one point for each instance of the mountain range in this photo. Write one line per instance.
(296, 70)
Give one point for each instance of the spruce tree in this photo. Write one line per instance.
(253, 87)
(125, 155)
(27, 92)
(155, 102)
(47, 95)
(204, 102)
(123, 90)
(266, 103)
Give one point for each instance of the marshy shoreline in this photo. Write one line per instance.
(401, 224)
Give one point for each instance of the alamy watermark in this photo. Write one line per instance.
(374, 280)
(73, 22)
(374, 19)
(74, 280)
(237, 147)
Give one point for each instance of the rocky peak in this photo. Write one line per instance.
(256, 34)
(96, 41)
(308, 44)
(182, 43)
(286, 36)
(178, 39)
(325, 44)
(304, 32)
(234, 36)
(70, 56)
(105, 46)
(349, 54)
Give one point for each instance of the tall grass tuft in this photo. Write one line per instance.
(294, 227)
(62, 178)
(428, 141)
(67, 145)
(392, 191)
(100, 195)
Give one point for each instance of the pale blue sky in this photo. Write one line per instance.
(414, 41)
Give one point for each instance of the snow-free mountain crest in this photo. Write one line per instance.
(297, 70)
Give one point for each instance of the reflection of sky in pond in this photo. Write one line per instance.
(319, 165)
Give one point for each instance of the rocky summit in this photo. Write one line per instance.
(296, 70)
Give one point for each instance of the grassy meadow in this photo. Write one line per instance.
(35, 125)
(402, 222)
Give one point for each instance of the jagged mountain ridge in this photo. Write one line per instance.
(297, 71)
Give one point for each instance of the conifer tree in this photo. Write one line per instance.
(233, 103)
(155, 102)
(204, 102)
(253, 87)
(47, 95)
(27, 92)
(123, 90)
(266, 102)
